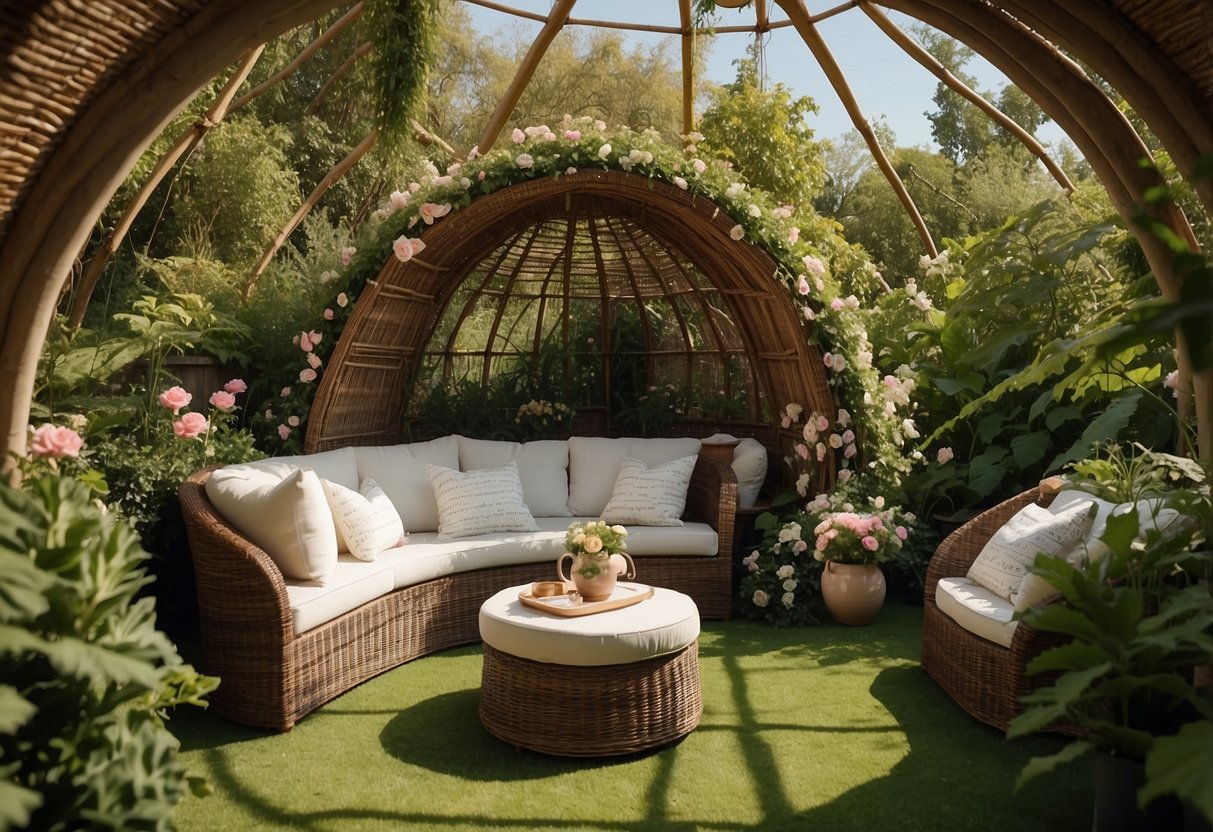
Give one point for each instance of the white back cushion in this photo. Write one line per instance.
(400, 472)
(543, 467)
(366, 518)
(478, 502)
(287, 517)
(594, 464)
(650, 496)
(1005, 558)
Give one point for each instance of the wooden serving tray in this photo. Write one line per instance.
(625, 595)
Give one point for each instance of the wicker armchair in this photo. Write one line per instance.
(985, 679)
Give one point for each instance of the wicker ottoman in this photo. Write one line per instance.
(611, 683)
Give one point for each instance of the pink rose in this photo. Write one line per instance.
(347, 255)
(573, 135)
(870, 543)
(802, 286)
(55, 442)
(283, 432)
(293, 421)
(304, 341)
(837, 304)
(793, 235)
(802, 451)
(848, 436)
(517, 136)
(823, 423)
(314, 361)
(480, 176)
(406, 247)
(175, 398)
(328, 314)
(901, 532)
(286, 391)
(429, 213)
(943, 456)
(236, 385)
(307, 376)
(190, 426)
(222, 400)
(699, 165)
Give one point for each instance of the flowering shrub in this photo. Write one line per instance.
(540, 417)
(814, 263)
(783, 581)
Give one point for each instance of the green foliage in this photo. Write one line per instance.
(764, 133)
(88, 679)
(402, 33)
(237, 193)
(1027, 295)
(1138, 632)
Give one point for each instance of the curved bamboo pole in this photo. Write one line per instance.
(688, 66)
(551, 27)
(915, 51)
(337, 75)
(1104, 136)
(188, 139)
(1122, 54)
(327, 182)
(800, 18)
(303, 57)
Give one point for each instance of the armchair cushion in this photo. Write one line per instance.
(981, 611)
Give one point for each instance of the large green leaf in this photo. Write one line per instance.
(24, 588)
(16, 805)
(1182, 764)
(1049, 705)
(1107, 425)
(1043, 765)
(15, 709)
(1029, 448)
(987, 469)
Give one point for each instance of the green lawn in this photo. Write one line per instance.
(821, 728)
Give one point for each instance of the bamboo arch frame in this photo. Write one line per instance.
(82, 97)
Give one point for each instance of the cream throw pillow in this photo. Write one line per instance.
(650, 496)
(288, 518)
(365, 518)
(479, 502)
(1005, 559)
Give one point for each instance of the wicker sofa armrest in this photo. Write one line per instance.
(238, 583)
(958, 551)
(712, 499)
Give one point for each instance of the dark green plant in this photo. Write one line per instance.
(87, 679)
(1138, 634)
(402, 33)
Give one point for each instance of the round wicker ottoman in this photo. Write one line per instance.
(615, 682)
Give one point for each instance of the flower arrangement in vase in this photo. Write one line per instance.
(598, 558)
(852, 545)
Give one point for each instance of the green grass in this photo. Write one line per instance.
(825, 728)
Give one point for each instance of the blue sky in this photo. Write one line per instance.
(888, 84)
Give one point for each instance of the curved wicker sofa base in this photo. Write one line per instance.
(270, 676)
(985, 679)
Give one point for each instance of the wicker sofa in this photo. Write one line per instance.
(986, 679)
(277, 662)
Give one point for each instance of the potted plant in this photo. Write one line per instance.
(852, 544)
(1141, 627)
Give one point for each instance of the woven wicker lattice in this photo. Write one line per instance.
(556, 263)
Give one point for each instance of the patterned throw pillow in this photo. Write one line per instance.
(650, 496)
(366, 518)
(1005, 559)
(479, 502)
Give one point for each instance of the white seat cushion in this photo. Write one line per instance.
(351, 584)
(400, 472)
(979, 610)
(657, 626)
(594, 464)
(543, 467)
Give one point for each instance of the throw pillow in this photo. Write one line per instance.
(365, 518)
(650, 496)
(479, 502)
(1005, 558)
(288, 518)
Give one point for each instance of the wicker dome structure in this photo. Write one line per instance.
(85, 86)
(554, 263)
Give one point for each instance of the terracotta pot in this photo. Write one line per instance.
(853, 592)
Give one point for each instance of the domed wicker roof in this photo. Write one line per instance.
(557, 264)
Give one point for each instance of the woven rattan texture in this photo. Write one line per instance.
(590, 711)
(651, 240)
(272, 677)
(984, 678)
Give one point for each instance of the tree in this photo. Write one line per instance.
(764, 133)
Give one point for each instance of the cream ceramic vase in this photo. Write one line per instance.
(853, 592)
(595, 575)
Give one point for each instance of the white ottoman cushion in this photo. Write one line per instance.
(657, 626)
